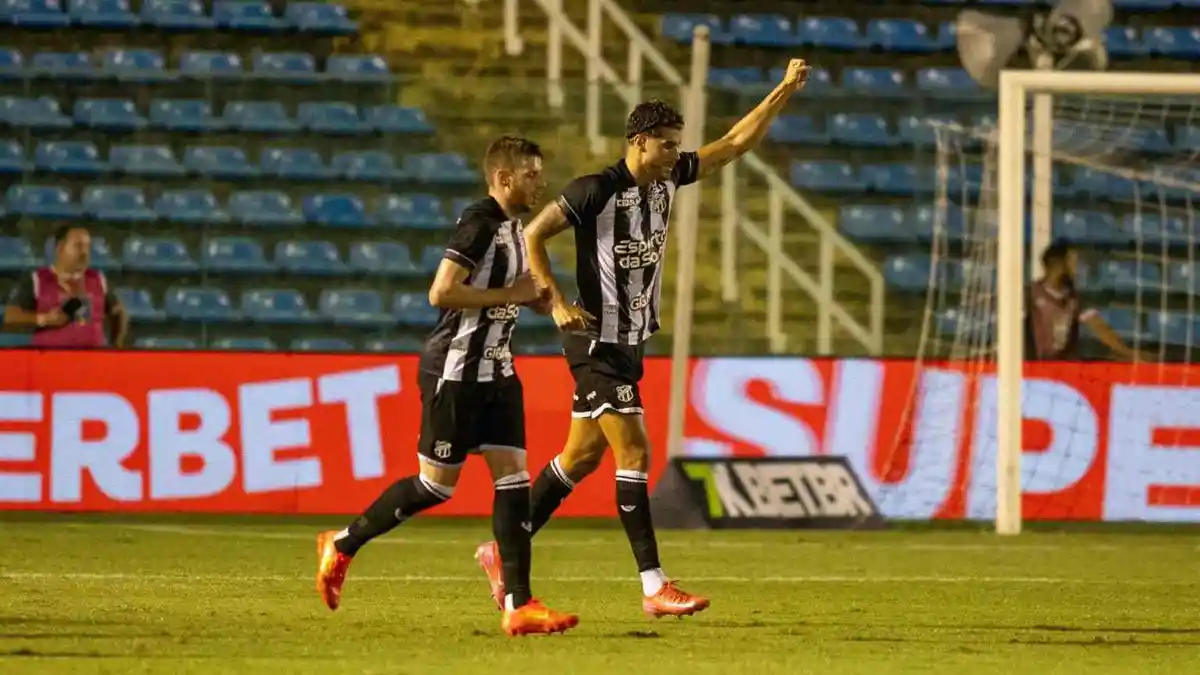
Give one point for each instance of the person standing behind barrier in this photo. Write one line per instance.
(67, 303)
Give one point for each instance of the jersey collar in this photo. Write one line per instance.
(621, 169)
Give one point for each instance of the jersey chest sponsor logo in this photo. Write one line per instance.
(629, 198)
(503, 313)
(641, 300)
(632, 254)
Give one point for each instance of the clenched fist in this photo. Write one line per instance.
(797, 74)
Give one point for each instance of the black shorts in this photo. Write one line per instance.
(606, 376)
(459, 418)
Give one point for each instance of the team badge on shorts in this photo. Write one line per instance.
(624, 393)
(441, 449)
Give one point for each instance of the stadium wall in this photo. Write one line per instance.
(323, 433)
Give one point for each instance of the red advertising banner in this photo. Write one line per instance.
(279, 433)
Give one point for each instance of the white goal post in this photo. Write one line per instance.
(1019, 136)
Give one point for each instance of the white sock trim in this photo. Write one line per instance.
(653, 581)
(556, 467)
(631, 476)
(512, 481)
(443, 491)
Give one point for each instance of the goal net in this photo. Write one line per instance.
(1106, 163)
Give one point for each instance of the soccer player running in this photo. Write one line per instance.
(471, 398)
(1055, 313)
(620, 216)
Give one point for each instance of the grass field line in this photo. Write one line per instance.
(997, 545)
(478, 578)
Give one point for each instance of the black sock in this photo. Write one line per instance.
(510, 524)
(402, 500)
(549, 490)
(633, 506)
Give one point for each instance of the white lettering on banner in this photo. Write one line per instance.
(360, 391)
(782, 490)
(262, 436)
(1134, 413)
(170, 443)
(71, 455)
(736, 506)
(15, 446)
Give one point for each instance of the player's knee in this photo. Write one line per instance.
(633, 457)
(579, 460)
(504, 462)
(441, 480)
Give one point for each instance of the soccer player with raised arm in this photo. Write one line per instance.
(620, 216)
(471, 399)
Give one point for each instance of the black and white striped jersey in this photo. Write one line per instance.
(472, 345)
(620, 245)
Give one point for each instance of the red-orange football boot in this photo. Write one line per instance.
(331, 569)
(535, 618)
(488, 557)
(670, 600)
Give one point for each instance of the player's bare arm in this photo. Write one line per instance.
(750, 130)
(1109, 338)
(450, 290)
(118, 323)
(548, 224)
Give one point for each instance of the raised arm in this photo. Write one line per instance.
(750, 130)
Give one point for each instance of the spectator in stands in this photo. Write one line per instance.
(67, 304)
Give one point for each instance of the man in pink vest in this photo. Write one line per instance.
(67, 304)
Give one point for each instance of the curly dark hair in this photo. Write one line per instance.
(650, 117)
(1056, 253)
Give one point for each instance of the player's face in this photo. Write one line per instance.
(662, 151)
(76, 250)
(526, 184)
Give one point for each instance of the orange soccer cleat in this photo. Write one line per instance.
(670, 600)
(535, 618)
(332, 566)
(488, 557)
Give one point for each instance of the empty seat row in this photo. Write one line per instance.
(324, 344)
(238, 15)
(251, 208)
(949, 83)
(229, 162)
(150, 66)
(196, 115)
(1160, 327)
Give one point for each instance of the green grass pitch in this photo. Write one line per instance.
(235, 595)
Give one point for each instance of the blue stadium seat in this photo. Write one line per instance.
(354, 307)
(679, 27)
(236, 255)
(313, 258)
(108, 114)
(413, 309)
(920, 130)
(103, 14)
(319, 344)
(1128, 276)
(1125, 322)
(431, 258)
(798, 129)
(1174, 42)
(12, 62)
(166, 343)
(16, 255)
(860, 130)
(954, 324)
(947, 37)
(254, 16)
(219, 162)
(1152, 229)
(69, 157)
(336, 210)
(457, 206)
(320, 18)
(831, 33)
(382, 258)
(145, 160)
(135, 65)
(766, 30)
(294, 164)
(33, 113)
(875, 224)
(357, 68)
(63, 65)
(448, 168)
(1090, 228)
(1184, 277)
(898, 178)
(270, 305)
(102, 256)
(882, 82)
(1124, 41)
(166, 255)
(139, 304)
(192, 206)
(928, 222)
(117, 204)
(199, 303)
(410, 210)
(399, 345)
(35, 13)
(735, 78)
(332, 117)
(825, 177)
(375, 166)
(266, 208)
(394, 119)
(1172, 328)
(258, 116)
(186, 115)
(39, 201)
(203, 65)
(909, 273)
(288, 66)
(1092, 182)
(244, 344)
(12, 157)
(900, 35)
(182, 15)
(950, 83)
